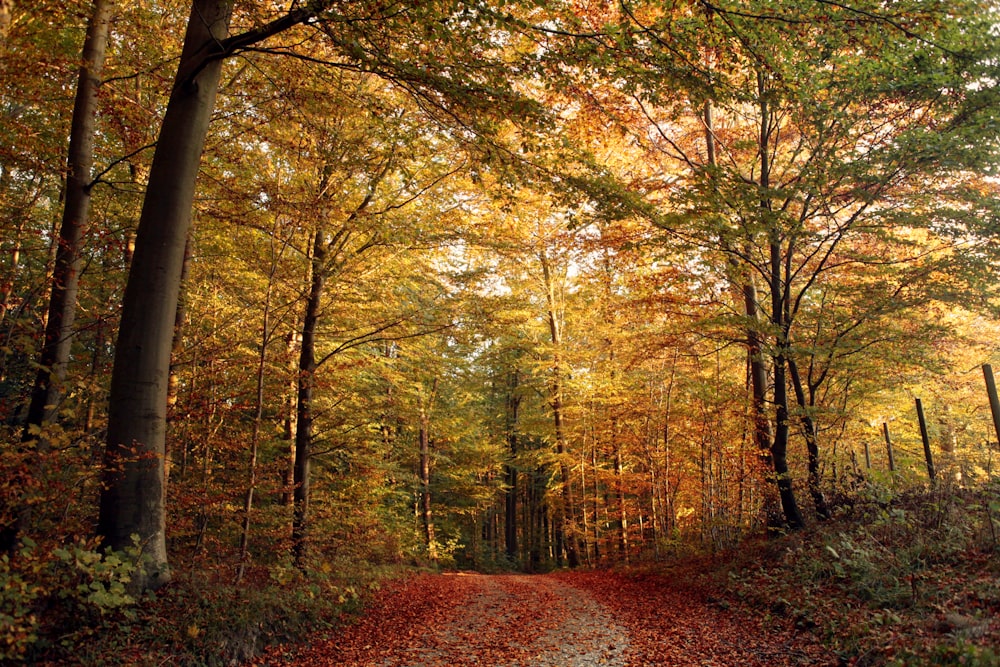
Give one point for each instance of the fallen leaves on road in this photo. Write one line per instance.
(573, 619)
(673, 623)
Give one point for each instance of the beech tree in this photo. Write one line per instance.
(133, 500)
(48, 390)
(134, 472)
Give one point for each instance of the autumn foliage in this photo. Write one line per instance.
(298, 297)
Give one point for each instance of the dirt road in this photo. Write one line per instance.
(562, 620)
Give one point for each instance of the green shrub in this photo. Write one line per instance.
(958, 652)
(18, 618)
(58, 596)
(98, 579)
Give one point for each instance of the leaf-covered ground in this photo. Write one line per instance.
(575, 619)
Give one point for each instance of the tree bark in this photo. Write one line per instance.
(258, 415)
(133, 496)
(173, 377)
(510, 470)
(623, 545)
(291, 418)
(7, 284)
(304, 412)
(564, 518)
(779, 298)
(47, 391)
(779, 446)
(596, 498)
(173, 381)
(535, 518)
(812, 442)
(426, 517)
(757, 369)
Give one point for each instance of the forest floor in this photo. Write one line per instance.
(567, 619)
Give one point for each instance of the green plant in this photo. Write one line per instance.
(958, 652)
(18, 620)
(102, 577)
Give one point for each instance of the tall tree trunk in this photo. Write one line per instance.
(510, 469)
(304, 411)
(258, 415)
(779, 448)
(537, 518)
(291, 421)
(426, 517)
(180, 315)
(758, 380)
(757, 368)
(325, 253)
(48, 392)
(7, 282)
(564, 518)
(173, 379)
(812, 441)
(584, 519)
(779, 298)
(762, 434)
(596, 497)
(623, 545)
(133, 496)
(132, 500)
(424, 468)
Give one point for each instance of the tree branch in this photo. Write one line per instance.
(97, 179)
(223, 49)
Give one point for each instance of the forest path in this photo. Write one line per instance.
(560, 620)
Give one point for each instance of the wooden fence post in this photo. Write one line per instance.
(888, 447)
(991, 391)
(868, 457)
(927, 441)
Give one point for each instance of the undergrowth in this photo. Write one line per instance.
(893, 579)
(78, 610)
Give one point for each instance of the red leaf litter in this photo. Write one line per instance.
(577, 619)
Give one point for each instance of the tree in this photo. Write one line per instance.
(812, 146)
(134, 473)
(330, 252)
(133, 500)
(55, 353)
(511, 426)
(54, 356)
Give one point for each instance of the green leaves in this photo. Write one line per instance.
(104, 576)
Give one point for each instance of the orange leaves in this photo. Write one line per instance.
(393, 618)
(578, 619)
(671, 622)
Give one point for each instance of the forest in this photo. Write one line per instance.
(298, 294)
